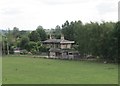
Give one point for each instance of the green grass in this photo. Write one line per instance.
(28, 70)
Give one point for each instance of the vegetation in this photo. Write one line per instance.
(25, 40)
(100, 40)
(28, 70)
(97, 39)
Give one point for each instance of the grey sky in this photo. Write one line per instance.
(28, 14)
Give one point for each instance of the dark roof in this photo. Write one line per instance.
(55, 50)
(57, 41)
(52, 41)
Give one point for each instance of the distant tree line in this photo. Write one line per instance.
(98, 39)
(29, 41)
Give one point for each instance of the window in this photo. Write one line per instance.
(70, 53)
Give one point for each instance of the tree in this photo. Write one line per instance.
(115, 42)
(97, 39)
(16, 32)
(56, 32)
(68, 31)
(42, 33)
(32, 45)
(24, 33)
(34, 36)
(24, 42)
(106, 44)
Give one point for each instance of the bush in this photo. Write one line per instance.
(11, 51)
(23, 52)
(43, 49)
(33, 51)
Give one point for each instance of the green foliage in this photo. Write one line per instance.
(56, 32)
(33, 51)
(34, 36)
(24, 42)
(11, 49)
(24, 33)
(116, 41)
(97, 39)
(16, 32)
(43, 49)
(31, 45)
(94, 38)
(68, 30)
(42, 33)
(23, 52)
(36, 48)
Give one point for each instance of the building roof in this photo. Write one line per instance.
(57, 41)
(55, 50)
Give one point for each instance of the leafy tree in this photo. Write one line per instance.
(24, 42)
(34, 36)
(56, 32)
(98, 39)
(116, 42)
(68, 30)
(32, 45)
(16, 32)
(24, 33)
(42, 33)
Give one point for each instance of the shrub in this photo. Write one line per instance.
(23, 52)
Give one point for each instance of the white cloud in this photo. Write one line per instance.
(59, 2)
(28, 14)
(106, 7)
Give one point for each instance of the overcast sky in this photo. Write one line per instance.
(28, 14)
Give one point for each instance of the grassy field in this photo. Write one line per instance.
(28, 70)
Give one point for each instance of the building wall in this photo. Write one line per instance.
(63, 46)
(52, 45)
(52, 55)
(69, 46)
(71, 56)
(64, 55)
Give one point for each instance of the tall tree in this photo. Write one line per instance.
(56, 32)
(16, 32)
(24, 42)
(42, 33)
(67, 30)
(116, 42)
(34, 36)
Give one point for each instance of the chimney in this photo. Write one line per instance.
(62, 37)
(50, 36)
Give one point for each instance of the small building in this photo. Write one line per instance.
(60, 48)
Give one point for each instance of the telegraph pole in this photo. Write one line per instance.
(7, 47)
(3, 46)
(8, 42)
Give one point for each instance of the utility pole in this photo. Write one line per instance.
(7, 46)
(8, 32)
(3, 46)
